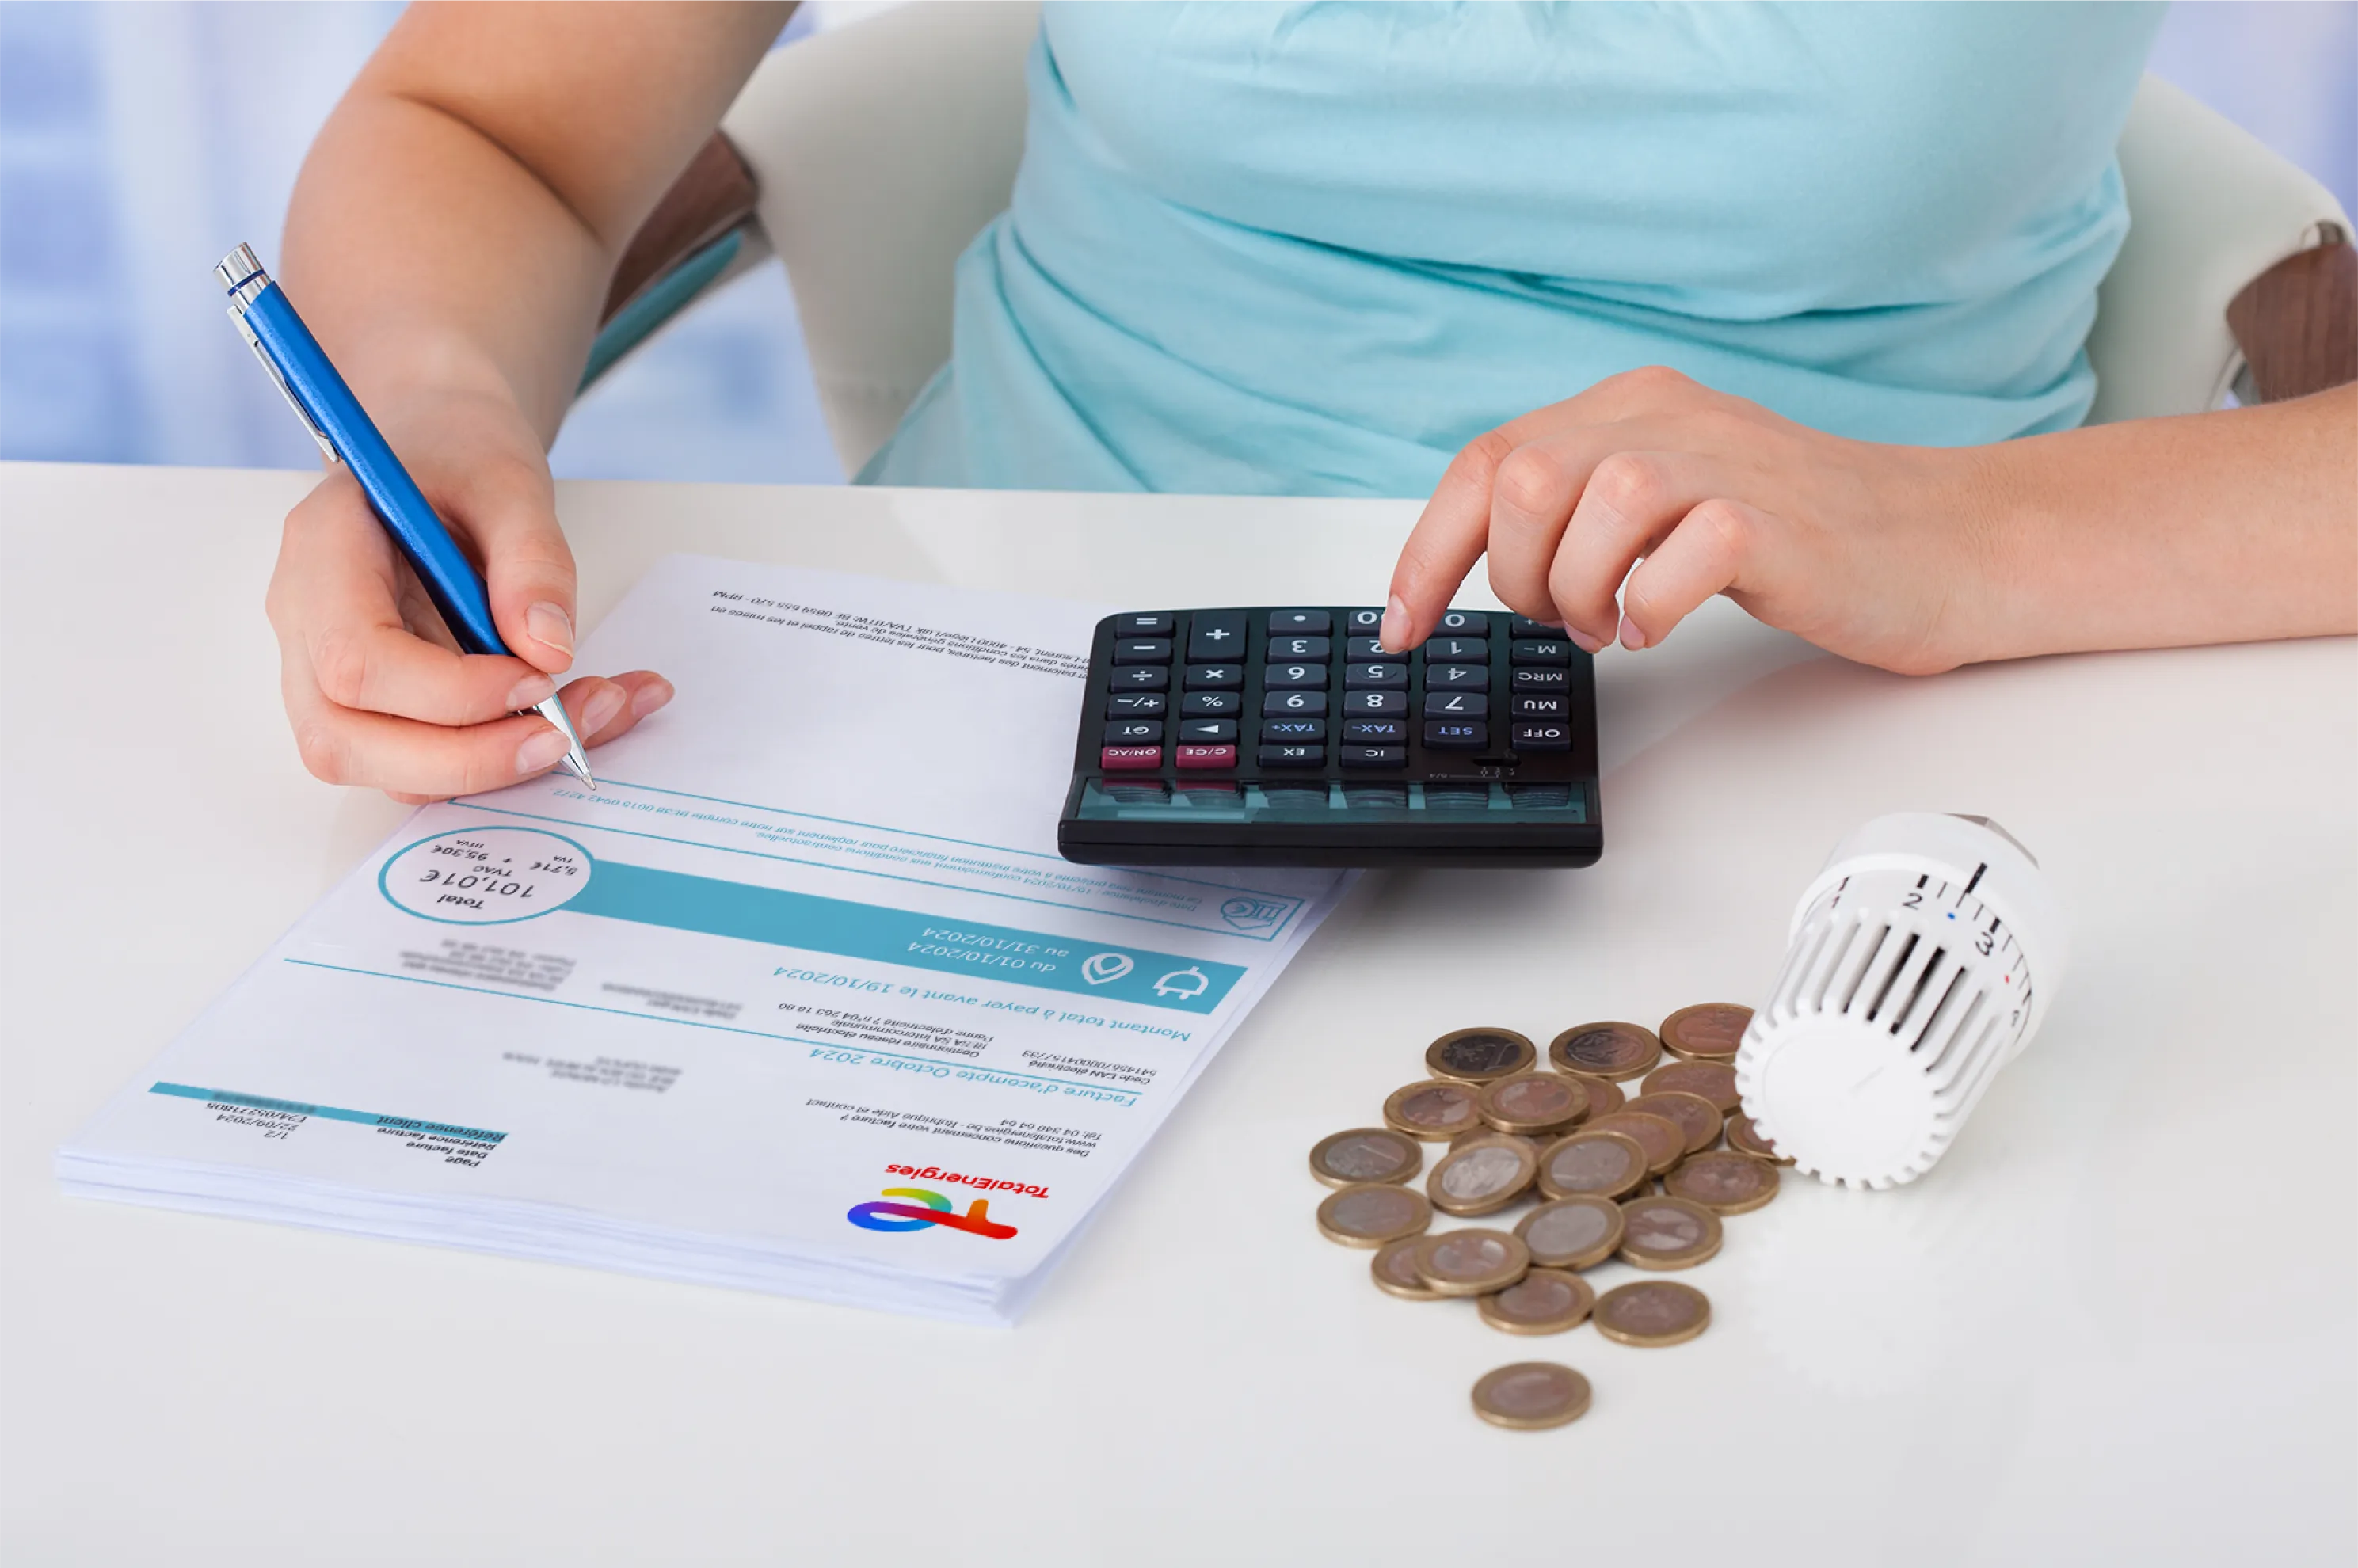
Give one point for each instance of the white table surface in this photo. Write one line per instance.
(2116, 1325)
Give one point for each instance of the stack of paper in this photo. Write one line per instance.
(801, 999)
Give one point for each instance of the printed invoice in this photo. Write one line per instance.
(802, 999)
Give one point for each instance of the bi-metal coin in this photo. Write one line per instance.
(1744, 1137)
(1707, 1032)
(1373, 1213)
(1698, 1123)
(1604, 1095)
(1534, 1102)
(1479, 1055)
(1603, 1164)
(1462, 1139)
(1667, 1233)
(1714, 1081)
(1724, 1182)
(1432, 1112)
(1664, 1140)
(1530, 1396)
(1482, 1175)
(1605, 1050)
(1572, 1233)
(1544, 1301)
(1365, 1154)
(1395, 1271)
(1653, 1312)
(1471, 1263)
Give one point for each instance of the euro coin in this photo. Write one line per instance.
(1653, 1312)
(1530, 1396)
(1534, 1102)
(1667, 1233)
(1373, 1213)
(1664, 1140)
(1713, 1081)
(1479, 1055)
(1697, 1122)
(1605, 1050)
(1435, 1112)
(1470, 1263)
(1724, 1182)
(1572, 1233)
(1707, 1032)
(1604, 1095)
(1365, 1154)
(1483, 1175)
(1544, 1301)
(1395, 1274)
(1592, 1163)
(1745, 1139)
(1533, 1144)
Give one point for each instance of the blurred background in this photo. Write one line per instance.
(140, 140)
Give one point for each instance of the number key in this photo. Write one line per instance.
(1314, 649)
(1457, 677)
(1290, 677)
(1294, 704)
(1375, 704)
(1376, 678)
(1457, 651)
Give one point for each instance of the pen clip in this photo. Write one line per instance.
(237, 315)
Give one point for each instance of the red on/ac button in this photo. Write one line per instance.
(1117, 759)
(1205, 756)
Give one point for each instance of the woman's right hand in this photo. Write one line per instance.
(376, 687)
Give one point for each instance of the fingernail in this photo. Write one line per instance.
(649, 698)
(1582, 639)
(1630, 636)
(550, 626)
(1393, 634)
(545, 749)
(602, 708)
(531, 692)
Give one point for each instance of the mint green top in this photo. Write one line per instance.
(1316, 249)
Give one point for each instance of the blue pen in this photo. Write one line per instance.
(267, 322)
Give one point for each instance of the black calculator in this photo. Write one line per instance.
(1287, 737)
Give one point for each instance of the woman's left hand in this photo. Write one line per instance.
(1881, 554)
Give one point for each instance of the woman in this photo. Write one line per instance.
(1815, 279)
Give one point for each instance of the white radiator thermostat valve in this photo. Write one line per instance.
(1920, 961)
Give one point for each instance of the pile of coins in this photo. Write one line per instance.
(1644, 1179)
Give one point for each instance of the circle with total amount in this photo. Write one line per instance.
(1470, 1263)
(1667, 1233)
(1605, 1050)
(493, 875)
(1531, 1396)
(1482, 1174)
(1592, 1163)
(1365, 1154)
(1724, 1182)
(1652, 1312)
(1372, 1214)
(1697, 1122)
(1572, 1233)
(1544, 1301)
(1744, 1137)
(1534, 1102)
(1707, 1032)
(1712, 1081)
(1436, 1112)
(1479, 1055)
(1664, 1140)
(1394, 1270)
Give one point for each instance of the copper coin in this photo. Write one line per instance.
(1435, 1112)
(1604, 1095)
(1395, 1275)
(1667, 1233)
(1698, 1123)
(1708, 1032)
(1530, 1396)
(1664, 1140)
(1483, 1175)
(1544, 1301)
(1653, 1312)
(1469, 1262)
(1572, 1233)
(1714, 1081)
(1724, 1182)
(1605, 1050)
(1534, 1102)
(1479, 1055)
(1599, 1164)
(1373, 1213)
(1533, 1144)
(1365, 1154)
(1744, 1137)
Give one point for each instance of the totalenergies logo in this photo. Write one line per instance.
(930, 1208)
